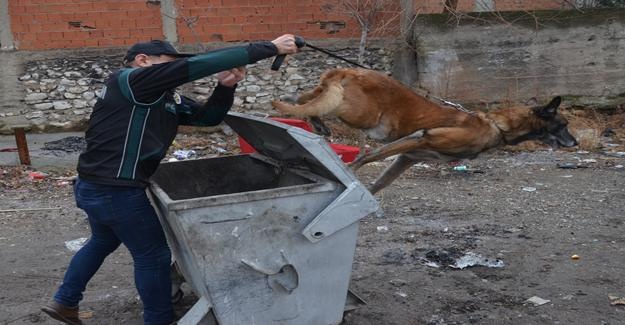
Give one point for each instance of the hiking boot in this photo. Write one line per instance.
(67, 315)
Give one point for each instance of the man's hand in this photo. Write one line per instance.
(285, 44)
(231, 77)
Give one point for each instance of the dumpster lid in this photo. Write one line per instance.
(290, 146)
(294, 147)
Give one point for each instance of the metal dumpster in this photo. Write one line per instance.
(266, 238)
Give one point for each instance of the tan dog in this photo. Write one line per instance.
(419, 128)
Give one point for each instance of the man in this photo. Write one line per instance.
(132, 125)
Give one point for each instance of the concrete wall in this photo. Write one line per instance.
(6, 36)
(516, 56)
(437, 6)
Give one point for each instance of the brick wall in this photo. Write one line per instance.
(235, 20)
(52, 24)
(55, 24)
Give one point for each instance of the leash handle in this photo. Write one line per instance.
(277, 62)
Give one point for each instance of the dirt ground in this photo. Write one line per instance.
(516, 207)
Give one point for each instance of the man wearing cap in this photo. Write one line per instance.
(132, 125)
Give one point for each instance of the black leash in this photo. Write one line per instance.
(336, 56)
(300, 42)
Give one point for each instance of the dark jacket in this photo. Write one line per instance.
(137, 113)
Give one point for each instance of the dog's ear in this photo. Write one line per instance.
(549, 110)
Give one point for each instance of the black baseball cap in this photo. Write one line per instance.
(154, 47)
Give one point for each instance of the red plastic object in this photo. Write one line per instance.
(36, 175)
(299, 123)
(347, 153)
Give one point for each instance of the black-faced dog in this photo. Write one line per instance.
(418, 128)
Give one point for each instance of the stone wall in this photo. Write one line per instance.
(516, 56)
(59, 93)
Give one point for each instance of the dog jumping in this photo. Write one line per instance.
(418, 129)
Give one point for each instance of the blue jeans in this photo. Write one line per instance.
(122, 215)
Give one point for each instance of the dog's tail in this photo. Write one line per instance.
(326, 103)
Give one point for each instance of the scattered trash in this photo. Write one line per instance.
(619, 154)
(220, 150)
(473, 259)
(85, 314)
(616, 300)
(65, 178)
(431, 264)
(172, 159)
(8, 149)
(382, 228)
(583, 152)
(67, 144)
(567, 166)
(567, 176)
(618, 166)
(36, 175)
(575, 257)
(589, 161)
(537, 301)
(422, 165)
(184, 154)
(529, 189)
(460, 168)
(454, 259)
(567, 297)
(401, 294)
(441, 258)
(465, 169)
(76, 244)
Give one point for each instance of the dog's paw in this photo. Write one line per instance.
(279, 106)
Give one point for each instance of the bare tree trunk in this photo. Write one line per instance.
(405, 60)
(450, 6)
(363, 44)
